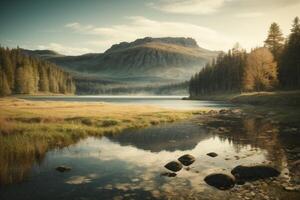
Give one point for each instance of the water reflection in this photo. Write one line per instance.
(129, 165)
(179, 136)
(173, 102)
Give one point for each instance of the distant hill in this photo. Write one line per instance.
(143, 62)
(166, 58)
(44, 54)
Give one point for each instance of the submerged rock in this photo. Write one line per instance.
(220, 181)
(187, 159)
(168, 174)
(63, 168)
(223, 111)
(174, 166)
(251, 173)
(212, 154)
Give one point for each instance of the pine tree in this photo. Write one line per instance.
(20, 74)
(4, 86)
(274, 41)
(289, 68)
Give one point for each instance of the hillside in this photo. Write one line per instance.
(43, 54)
(170, 59)
(133, 66)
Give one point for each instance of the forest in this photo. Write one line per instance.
(21, 74)
(85, 86)
(275, 66)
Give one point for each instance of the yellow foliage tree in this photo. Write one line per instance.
(261, 71)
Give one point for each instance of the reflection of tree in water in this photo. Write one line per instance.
(18, 154)
(171, 137)
(253, 131)
(16, 166)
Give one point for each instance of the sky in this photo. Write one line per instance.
(74, 27)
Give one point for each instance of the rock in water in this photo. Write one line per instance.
(168, 174)
(220, 181)
(174, 166)
(63, 168)
(212, 154)
(187, 159)
(252, 173)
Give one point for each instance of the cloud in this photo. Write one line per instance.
(139, 27)
(64, 49)
(194, 7)
(249, 15)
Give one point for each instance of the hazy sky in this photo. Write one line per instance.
(75, 27)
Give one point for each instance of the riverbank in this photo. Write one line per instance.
(276, 98)
(32, 127)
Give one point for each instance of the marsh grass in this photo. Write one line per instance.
(28, 129)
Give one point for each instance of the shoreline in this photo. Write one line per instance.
(276, 98)
(33, 127)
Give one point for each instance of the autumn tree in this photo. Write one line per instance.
(274, 41)
(260, 71)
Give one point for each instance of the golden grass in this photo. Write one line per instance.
(25, 125)
(28, 129)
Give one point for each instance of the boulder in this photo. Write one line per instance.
(63, 168)
(220, 181)
(174, 166)
(212, 154)
(252, 173)
(187, 159)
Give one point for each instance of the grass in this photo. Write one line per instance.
(283, 98)
(276, 98)
(26, 126)
(28, 129)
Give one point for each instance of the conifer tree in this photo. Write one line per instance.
(275, 40)
(289, 67)
(20, 74)
(4, 86)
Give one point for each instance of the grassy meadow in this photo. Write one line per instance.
(28, 129)
(28, 126)
(274, 98)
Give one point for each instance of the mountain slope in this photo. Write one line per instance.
(43, 54)
(168, 58)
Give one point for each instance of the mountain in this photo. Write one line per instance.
(43, 54)
(134, 66)
(170, 59)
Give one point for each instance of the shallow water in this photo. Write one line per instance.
(129, 165)
(162, 101)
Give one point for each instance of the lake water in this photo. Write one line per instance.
(129, 165)
(174, 102)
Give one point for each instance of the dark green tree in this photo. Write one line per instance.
(289, 65)
(20, 74)
(275, 40)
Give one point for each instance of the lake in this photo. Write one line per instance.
(130, 165)
(174, 102)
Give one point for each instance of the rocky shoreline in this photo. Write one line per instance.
(260, 182)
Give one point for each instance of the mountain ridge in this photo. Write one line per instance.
(145, 61)
(163, 57)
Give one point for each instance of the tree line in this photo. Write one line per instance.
(274, 66)
(21, 74)
(84, 86)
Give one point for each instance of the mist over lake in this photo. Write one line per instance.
(156, 99)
